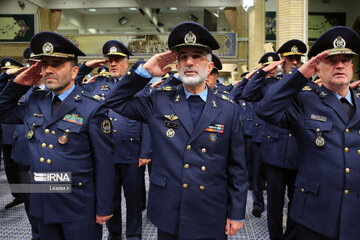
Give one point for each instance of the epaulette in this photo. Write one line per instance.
(224, 97)
(166, 89)
(96, 97)
(357, 94)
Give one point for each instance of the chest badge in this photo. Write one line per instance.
(63, 139)
(320, 141)
(212, 137)
(30, 134)
(170, 133)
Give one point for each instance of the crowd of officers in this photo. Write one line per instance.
(205, 143)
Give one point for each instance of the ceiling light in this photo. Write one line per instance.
(92, 10)
(132, 9)
(173, 8)
(247, 4)
(221, 8)
(123, 20)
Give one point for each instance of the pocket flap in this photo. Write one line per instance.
(68, 126)
(158, 180)
(314, 125)
(307, 186)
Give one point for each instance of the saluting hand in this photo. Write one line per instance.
(101, 219)
(311, 67)
(15, 71)
(355, 84)
(272, 66)
(232, 227)
(92, 79)
(155, 65)
(250, 74)
(30, 76)
(96, 63)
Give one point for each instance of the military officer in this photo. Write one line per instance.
(198, 180)
(291, 52)
(326, 124)
(279, 152)
(130, 150)
(66, 133)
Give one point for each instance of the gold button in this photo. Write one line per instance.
(188, 147)
(110, 119)
(358, 151)
(47, 131)
(203, 168)
(318, 130)
(347, 170)
(80, 184)
(67, 130)
(269, 137)
(290, 72)
(115, 130)
(203, 150)
(202, 187)
(347, 130)
(290, 135)
(35, 114)
(186, 165)
(244, 104)
(131, 139)
(128, 73)
(53, 132)
(115, 120)
(185, 185)
(42, 159)
(43, 145)
(302, 190)
(51, 146)
(359, 132)
(48, 161)
(346, 192)
(82, 91)
(346, 149)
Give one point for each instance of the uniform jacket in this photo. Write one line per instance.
(279, 147)
(77, 140)
(6, 129)
(326, 197)
(198, 178)
(130, 145)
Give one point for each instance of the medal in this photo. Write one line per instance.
(170, 133)
(63, 139)
(30, 134)
(212, 137)
(320, 141)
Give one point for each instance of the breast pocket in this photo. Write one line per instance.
(32, 125)
(319, 132)
(69, 134)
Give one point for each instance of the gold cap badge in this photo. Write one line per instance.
(48, 48)
(190, 38)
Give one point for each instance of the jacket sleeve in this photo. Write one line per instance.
(103, 152)
(237, 172)
(237, 91)
(146, 143)
(281, 105)
(252, 91)
(122, 99)
(83, 71)
(10, 111)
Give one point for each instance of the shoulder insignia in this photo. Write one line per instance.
(226, 92)
(226, 98)
(167, 88)
(214, 103)
(357, 94)
(98, 97)
(77, 98)
(306, 88)
(323, 94)
(177, 99)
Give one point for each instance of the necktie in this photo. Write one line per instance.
(348, 108)
(55, 105)
(196, 106)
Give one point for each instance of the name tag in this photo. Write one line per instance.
(318, 118)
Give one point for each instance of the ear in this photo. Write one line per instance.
(210, 67)
(74, 72)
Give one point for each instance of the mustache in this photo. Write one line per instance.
(50, 76)
(190, 69)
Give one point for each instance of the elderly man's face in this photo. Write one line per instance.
(211, 79)
(193, 67)
(290, 63)
(118, 66)
(336, 70)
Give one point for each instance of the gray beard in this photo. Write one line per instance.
(193, 80)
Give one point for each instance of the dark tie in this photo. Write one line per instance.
(348, 108)
(55, 105)
(196, 106)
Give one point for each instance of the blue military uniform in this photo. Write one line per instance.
(279, 155)
(130, 145)
(76, 139)
(325, 203)
(199, 179)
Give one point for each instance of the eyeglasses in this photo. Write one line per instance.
(196, 57)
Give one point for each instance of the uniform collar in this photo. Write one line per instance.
(64, 94)
(348, 97)
(202, 95)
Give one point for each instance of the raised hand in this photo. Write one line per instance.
(156, 64)
(311, 67)
(272, 66)
(30, 76)
(96, 63)
(15, 71)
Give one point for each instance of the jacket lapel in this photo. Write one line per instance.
(45, 107)
(181, 109)
(331, 100)
(356, 103)
(210, 112)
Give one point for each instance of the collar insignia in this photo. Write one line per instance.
(177, 98)
(214, 103)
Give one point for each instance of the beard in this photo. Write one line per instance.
(193, 80)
